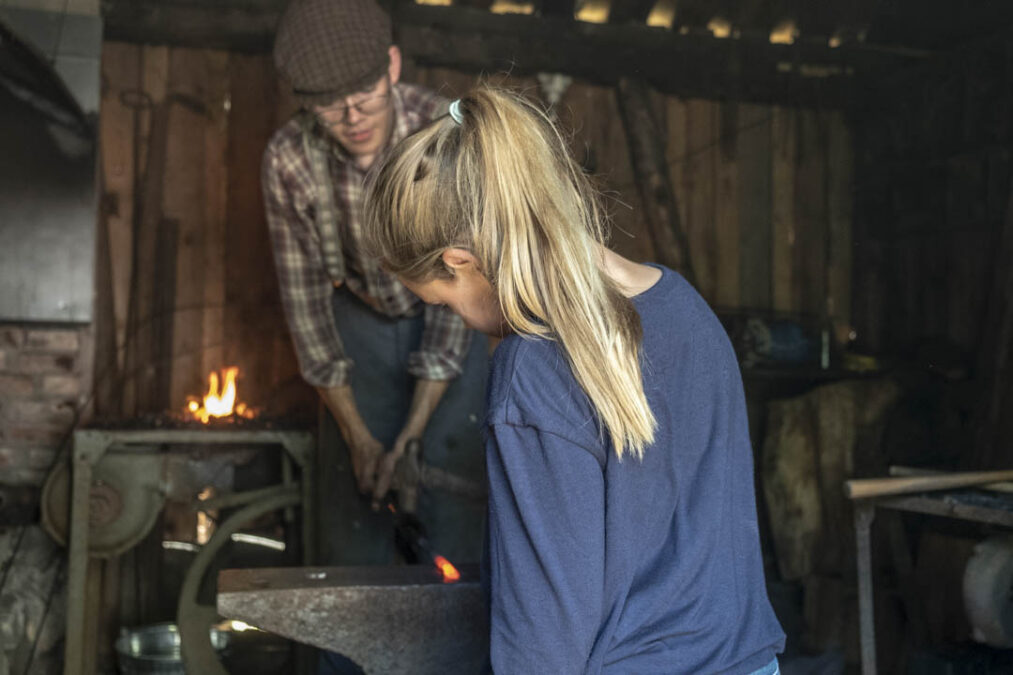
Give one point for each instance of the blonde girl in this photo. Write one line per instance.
(622, 532)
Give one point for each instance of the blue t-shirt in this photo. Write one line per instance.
(601, 566)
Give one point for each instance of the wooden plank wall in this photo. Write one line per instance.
(933, 193)
(192, 280)
(764, 195)
(764, 192)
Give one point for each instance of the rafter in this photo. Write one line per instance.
(690, 65)
(630, 11)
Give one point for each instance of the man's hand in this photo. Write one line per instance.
(367, 456)
(365, 450)
(386, 466)
(427, 396)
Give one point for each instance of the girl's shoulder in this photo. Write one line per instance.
(531, 384)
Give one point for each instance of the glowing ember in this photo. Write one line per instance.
(450, 573)
(220, 401)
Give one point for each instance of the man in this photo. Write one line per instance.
(388, 368)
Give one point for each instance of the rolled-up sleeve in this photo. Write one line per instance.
(546, 551)
(306, 289)
(444, 346)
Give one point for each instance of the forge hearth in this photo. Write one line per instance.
(178, 421)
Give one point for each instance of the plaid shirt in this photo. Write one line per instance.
(313, 198)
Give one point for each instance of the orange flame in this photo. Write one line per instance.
(450, 573)
(219, 402)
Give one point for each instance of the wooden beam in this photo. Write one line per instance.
(630, 11)
(474, 4)
(646, 141)
(476, 41)
(558, 8)
(695, 14)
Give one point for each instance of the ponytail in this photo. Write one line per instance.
(502, 184)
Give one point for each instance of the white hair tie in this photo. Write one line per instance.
(455, 111)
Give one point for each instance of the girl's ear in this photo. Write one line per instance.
(458, 259)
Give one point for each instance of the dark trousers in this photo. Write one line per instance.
(350, 532)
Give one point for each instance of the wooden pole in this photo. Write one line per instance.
(885, 487)
(650, 168)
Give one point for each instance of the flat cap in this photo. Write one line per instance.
(326, 49)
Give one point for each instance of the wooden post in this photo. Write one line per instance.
(647, 155)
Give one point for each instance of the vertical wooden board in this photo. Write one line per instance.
(783, 240)
(139, 371)
(811, 212)
(216, 205)
(840, 204)
(155, 84)
(184, 203)
(120, 76)
(253, 313)
(933, 296)
(448, 83)
(969, 286)
(284, 367)
(676, 150)
(285, 103)
(588, 116)
(698, 175)
(726, 206)
(754, 205)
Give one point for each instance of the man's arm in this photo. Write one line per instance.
(438, 361)
(364, 449)
(306, 291)
(425, 400)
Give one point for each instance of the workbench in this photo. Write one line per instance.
(964, 504)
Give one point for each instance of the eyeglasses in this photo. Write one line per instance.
(338, 113)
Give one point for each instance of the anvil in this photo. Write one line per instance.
(389, 620)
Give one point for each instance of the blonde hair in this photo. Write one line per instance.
(502, 185)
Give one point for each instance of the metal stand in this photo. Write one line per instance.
(865, 512)
(964, 504)
(89, 448)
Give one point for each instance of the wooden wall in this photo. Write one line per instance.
(934, 231)
(764, 192)
(191, 285)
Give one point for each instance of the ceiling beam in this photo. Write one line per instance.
(559, 8)
(475, 4)
(630, 11)
(691, 66)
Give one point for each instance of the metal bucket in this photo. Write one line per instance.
(155, 649)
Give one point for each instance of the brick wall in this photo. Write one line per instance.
(45, 376)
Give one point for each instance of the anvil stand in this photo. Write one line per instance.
(89, 446)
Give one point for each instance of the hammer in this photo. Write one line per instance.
(411, 473)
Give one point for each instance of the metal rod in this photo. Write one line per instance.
(865, 512)
(73, 653)
(235, 499)
(286, 479)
